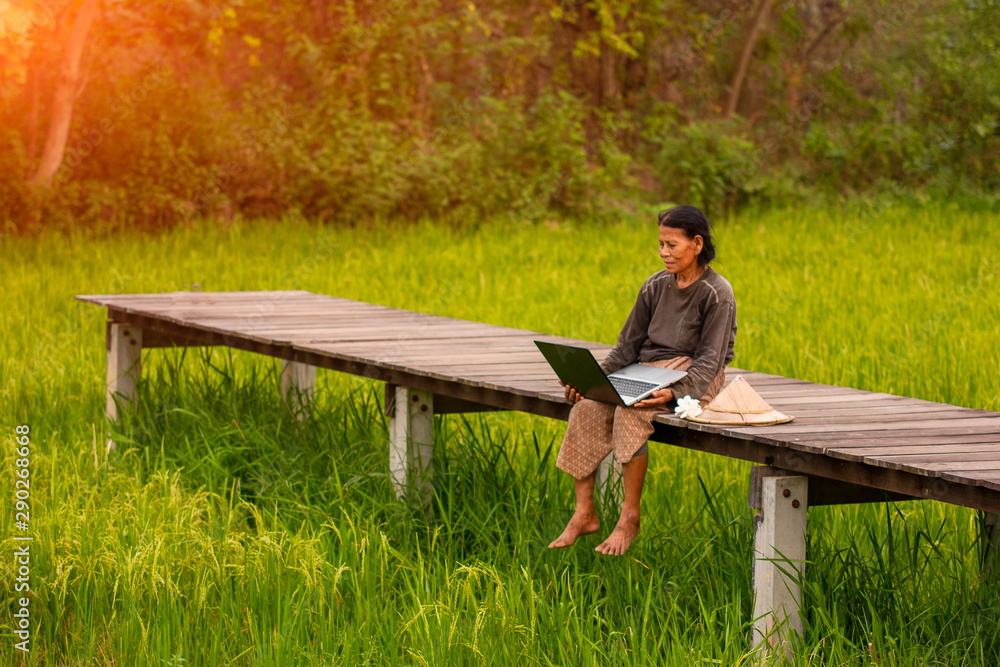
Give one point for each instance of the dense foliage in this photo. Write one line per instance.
(346, 110)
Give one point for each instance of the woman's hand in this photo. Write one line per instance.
(658, 397)
(572, 395)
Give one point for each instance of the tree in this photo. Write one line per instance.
(67, 85)
(763, 10)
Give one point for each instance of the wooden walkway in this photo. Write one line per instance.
(845, 445)
(875, 440)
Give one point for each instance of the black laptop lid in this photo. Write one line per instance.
(577, 367)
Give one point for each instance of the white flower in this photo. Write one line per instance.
(687, 407)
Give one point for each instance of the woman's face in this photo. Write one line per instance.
(678, 252)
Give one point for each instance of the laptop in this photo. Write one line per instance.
(577, 367)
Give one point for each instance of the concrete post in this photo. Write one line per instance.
(411, 441)
(297, 384)
(779, 562)
(124, 345)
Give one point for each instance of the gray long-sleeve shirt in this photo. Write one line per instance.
(698, 321)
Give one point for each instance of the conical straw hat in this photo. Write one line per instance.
(739, 405)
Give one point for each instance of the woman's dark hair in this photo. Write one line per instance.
(692, 222)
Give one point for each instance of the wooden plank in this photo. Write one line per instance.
(808, 441)
(198, 300)
(490, 343)
(320, 318)
(319, 340)
(483, 343)
(917, 450)
(512, 380)
(972, 477)
(902, 429)
(278, 321)
(538, 384)
(989, 476)
(162, 306)
(901, 436)
(446, 405)
(953, 452)
(523, 382)
(849, 402)
(956, 416)
(882, 411)
(112, 299)
(863, 400)
(843, 399)
(541, 380)
(402, 357)
(921, 468)
(852, 455)
(765, 380)
(809, 391)
(469, 360)
(777, 382)
(400, 337)
(459, 356)
(935, 437)
(336, 331)
(282, 307)
(894, 410)
(929, 461)
(476, 366)
(753, 376)
(953, 466)
(956, 423)
(157, 340)
(980, 479)
(774, 383)
(443, 353)
(517, 371)
(329, 325)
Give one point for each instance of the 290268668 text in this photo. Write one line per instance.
(22, 549)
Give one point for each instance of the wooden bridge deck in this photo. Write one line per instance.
(870, 440)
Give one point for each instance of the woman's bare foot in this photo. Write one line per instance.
(621, 537)
(579, 525)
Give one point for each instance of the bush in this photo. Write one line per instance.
(708, 164)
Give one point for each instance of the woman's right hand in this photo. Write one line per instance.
(572, 395)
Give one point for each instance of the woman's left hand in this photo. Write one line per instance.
(658, 397)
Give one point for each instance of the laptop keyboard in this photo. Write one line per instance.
(628, 387)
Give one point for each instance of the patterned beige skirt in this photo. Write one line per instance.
(596, 429)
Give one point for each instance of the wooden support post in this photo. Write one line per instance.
(609, 479)
(297, 383)
(124, 345)
(411, 440)
(779, 560)
(990, 535)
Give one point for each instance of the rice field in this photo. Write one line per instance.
(224, 532)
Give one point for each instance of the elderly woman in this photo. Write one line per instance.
(683, 318)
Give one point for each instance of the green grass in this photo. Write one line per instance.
(222, 531)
